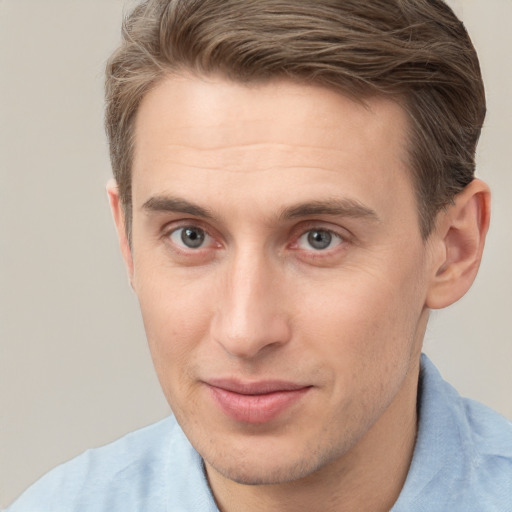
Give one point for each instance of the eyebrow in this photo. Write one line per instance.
(175, 205)
(334, 207)
(331, 207)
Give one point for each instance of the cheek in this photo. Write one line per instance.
(176, 322)
(364, 318)
(364, 332)
(176, 318)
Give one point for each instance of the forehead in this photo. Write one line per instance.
(181, 108)
(298, 139)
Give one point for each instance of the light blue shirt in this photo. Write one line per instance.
(462, 462)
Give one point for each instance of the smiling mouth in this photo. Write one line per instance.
(255, 403)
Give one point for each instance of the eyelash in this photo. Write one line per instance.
(322, 256)
(300, 232)
(187, 251)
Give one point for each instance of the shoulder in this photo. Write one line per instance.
(132, 467)
(463, 455)
(479, 430)
(490, 432)
(487, 441)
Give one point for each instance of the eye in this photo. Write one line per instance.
(319, 240)
(190, 237)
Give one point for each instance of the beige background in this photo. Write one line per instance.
(74, 370)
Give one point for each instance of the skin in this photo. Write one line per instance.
(257, 170)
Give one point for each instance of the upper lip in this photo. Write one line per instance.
(255, 388)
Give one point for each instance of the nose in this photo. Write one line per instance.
(251, 314)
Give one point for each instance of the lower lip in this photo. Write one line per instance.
(256, 409)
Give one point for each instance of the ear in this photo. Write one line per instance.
(458, 243)
(119, 220)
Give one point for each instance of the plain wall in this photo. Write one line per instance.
(74, 368)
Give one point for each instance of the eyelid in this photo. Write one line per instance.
(299, 230)
(307, 226)
(333, 234)
(322, 256)
(175, 237)
(174, 226)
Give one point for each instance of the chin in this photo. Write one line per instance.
(270, 467)
(267, 474)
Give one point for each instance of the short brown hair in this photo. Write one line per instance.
(416, 51)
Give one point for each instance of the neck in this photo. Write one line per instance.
(367, 478)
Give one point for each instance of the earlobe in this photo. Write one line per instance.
(460, 237)
(119, 220)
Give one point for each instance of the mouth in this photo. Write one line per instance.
(255, 403)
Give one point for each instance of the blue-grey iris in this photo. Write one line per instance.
(319, 239)
(192, 237)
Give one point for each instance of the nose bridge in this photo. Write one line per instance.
(250, 315)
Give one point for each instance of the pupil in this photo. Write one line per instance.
(319, 239)
(192, 237)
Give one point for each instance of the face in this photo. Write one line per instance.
(277, 258)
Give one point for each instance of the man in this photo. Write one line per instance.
(294, 192)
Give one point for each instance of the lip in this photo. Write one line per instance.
(255, 402)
